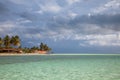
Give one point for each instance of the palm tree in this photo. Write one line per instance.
(16, 41)
(41, 46)
(7, 41)
(1, 42)
(12, 41)
(44, 47)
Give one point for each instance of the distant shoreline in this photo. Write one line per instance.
(6, 54)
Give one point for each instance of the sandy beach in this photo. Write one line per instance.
(13, 54)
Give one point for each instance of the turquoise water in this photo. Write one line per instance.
(60, 67)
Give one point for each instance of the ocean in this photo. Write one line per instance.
(60, 67)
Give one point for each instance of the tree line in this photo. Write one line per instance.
(15, 42)
(10, 42)
(42, 47)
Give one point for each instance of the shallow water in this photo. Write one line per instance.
(60, 67)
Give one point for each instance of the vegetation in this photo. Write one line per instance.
(1, 42)
(14, 43)
(43, 47)
(30, 50)
(9, 42)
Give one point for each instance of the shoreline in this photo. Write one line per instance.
(14, 54)
(30, 54)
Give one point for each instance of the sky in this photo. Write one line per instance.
(67, 26)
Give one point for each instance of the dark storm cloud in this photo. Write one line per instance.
(28, 30)
(16, 11)
(97, 19)
(28, 16)
(81, 23)
(3, 8)
(94, 24)
(7, 11)
(34, 30)
(104, 21)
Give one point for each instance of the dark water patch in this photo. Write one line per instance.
(39, 58)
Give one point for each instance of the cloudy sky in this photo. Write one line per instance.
(67, 26)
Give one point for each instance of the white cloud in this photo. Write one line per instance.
(101, 40)
(108, 38)
(33, 36)
(61, 34)
(39, 12)
(104, 43)
(50, 7)
(113, 4)
(72, 15)
(72, 1)
(23, 21)
(6, 27)
(7, 24)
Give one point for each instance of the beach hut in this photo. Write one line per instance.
(10, 50)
